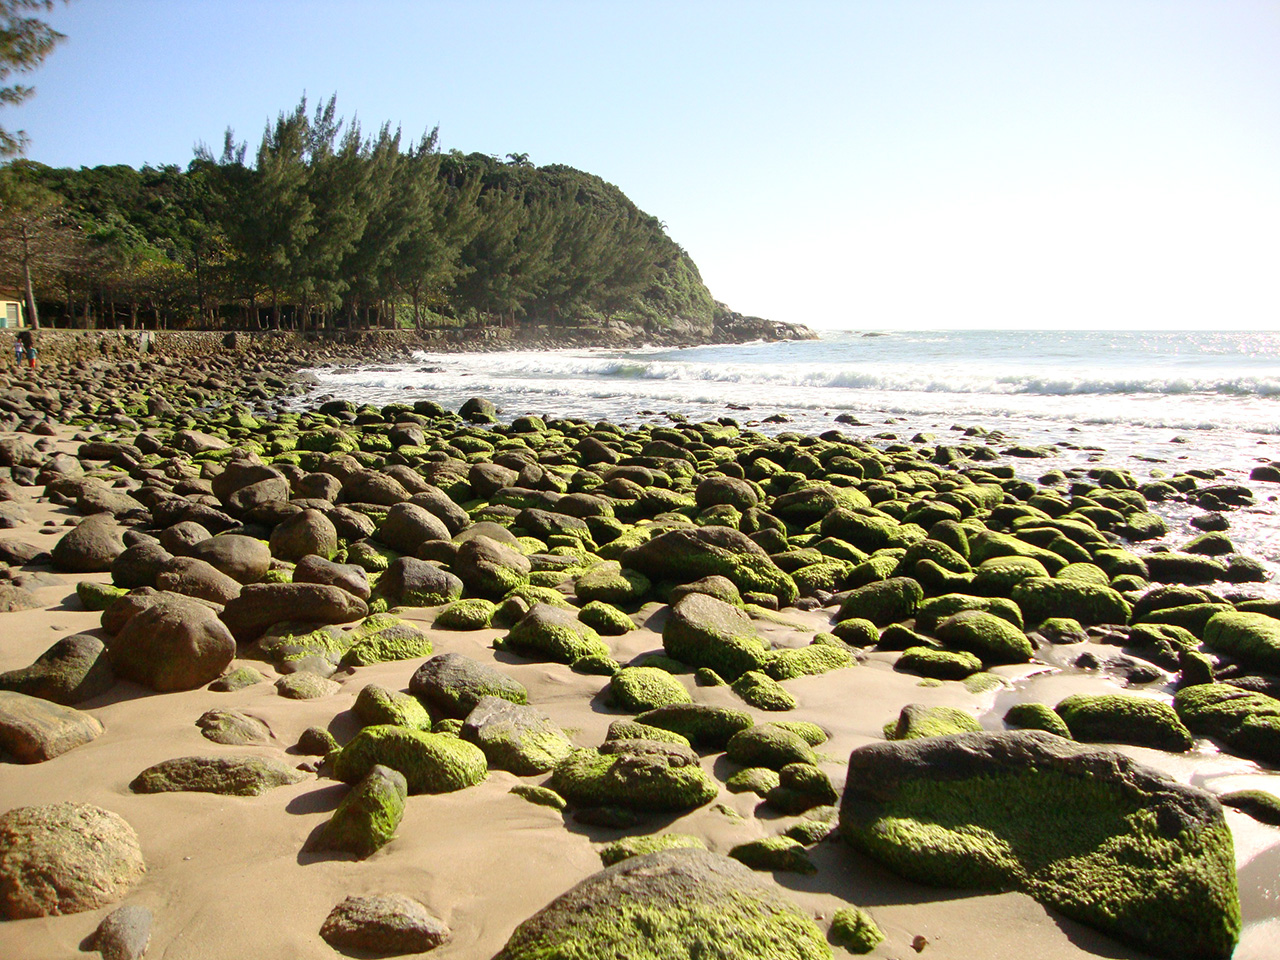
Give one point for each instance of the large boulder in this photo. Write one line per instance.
(65, 858)
(430, 762)
(993, 639)
(243, 559)
(686, 554)
(1041, 598)
(173, 644)
(407, 526)
(677, 904)
(1251, 638)
(490, 568)
(1247, 722)
(307, 532)
(262, 604)
(1126, 850)
(551, 633)
(515, 737)
(410, 582)
(452, 684)
(705, 632)
(367, 817)
(73, 669)
(34, 730)
(138, 565)
(639, 774)
(347, 576)
(90, 547)
(196, 578)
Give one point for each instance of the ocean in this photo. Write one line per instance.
(1153, 402)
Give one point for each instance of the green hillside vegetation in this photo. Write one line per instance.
(324, 226)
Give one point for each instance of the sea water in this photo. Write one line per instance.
(1154, 402)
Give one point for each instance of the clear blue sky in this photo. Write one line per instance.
(861, 165)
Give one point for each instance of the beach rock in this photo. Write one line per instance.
(139, 565)
(307, 532)
(233, 728)
(383, 638)
(347, 576)
(1246, 721)
(14, 599)
(774, 853)
(75, 668)
(172, 644)
(123, 934)
(407, 526)
(610, 583)
(430, 762)
(33, 730)
(991, 638)
(439, 503)
(90, 547)
(552, 633)
(489, 568)
(243, 559)
(306, 685)
(705, 632)
(230, 776)
(768, 745)
(410, 582)
(705, 726)
(65, 858)
(196, 578)
(1251, 638)
(917, 720)
(383, 924)
(1122, 718)
(180, 538)
(367, 817)
(376, 704)
(884, 602)
(260, 605)
(371, 486)
(696, 904)
(1130, 852)
(761, 691)
(238, 474)
(1042, 598)
(474, 613)
(650, 777)
(21, 554)
(683, 555)
(515, 737)
(646, 688)
(452, 684)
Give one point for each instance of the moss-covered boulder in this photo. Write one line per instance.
(774, 853)
(1123, 718)
(606, 619)
(883, 602)
(652, 777)
(761, 691)
(705, 632)
(791, 662)
(367, 817)
(938, 664)
(1251, 638)
(801, 787)
(1036, 716)
(853, 929)
(936, 609)
(376, 704)
(646, 688)
(689, 553)
(552, 633)
(757, 780)
(232, 776)
(769, 745)
(611, 583)
(917, 720)
(683, 904)
(705, 726)
(452, 684)
(385, 638)
(515, 737)
(992, 639)
(474, 613)
(1247, 722)
(1089, 603)
(629, 847)
(1126, 850)
(430, 762)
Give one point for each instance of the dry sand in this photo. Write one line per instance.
(226, 876)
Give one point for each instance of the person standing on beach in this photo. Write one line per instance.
(18, 353)
(31, 356)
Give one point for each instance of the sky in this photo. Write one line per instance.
(865, 164)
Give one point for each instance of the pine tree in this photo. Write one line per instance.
(25, 41)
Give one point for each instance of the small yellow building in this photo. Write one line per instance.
(11, 314)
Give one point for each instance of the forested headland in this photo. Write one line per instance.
(326, 226)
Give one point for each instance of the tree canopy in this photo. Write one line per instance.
(325, 224)
(25, 40)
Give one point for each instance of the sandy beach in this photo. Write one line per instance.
(228, 875)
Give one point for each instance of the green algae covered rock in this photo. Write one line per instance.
(1036, 716)
(629, 847)
(98, 596)
(632, 730)
(883, 602)
(551, 633)
(706, 727)
(606, 619)
(705, 632)
(1088, 832)
(539, 796)
(761, 691)
(936, 609)
(1251, 638)
(1043, 598)
(917, 720)
(385, 638)
(938, 664)
(769, 745)
(690, 553)
(231, 776)
(1247, 722)
(474, 613)
(377, 705)
(657, 778)
(646, 688)
(515, 737)
(774, 853)
(451, 685)
(757, 780)
(792, 662)
(430, 762)
(679, 904)
(610, 583)
(801, 787)
(992, 639)
(367, 817)
(1122, 718)
(853, 929)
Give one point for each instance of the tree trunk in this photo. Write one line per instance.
(33, 315)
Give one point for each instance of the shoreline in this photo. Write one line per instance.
(481, 859)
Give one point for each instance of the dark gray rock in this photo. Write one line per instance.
(173, 644)
(452, 684)
(90, 547)
(515, 737)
